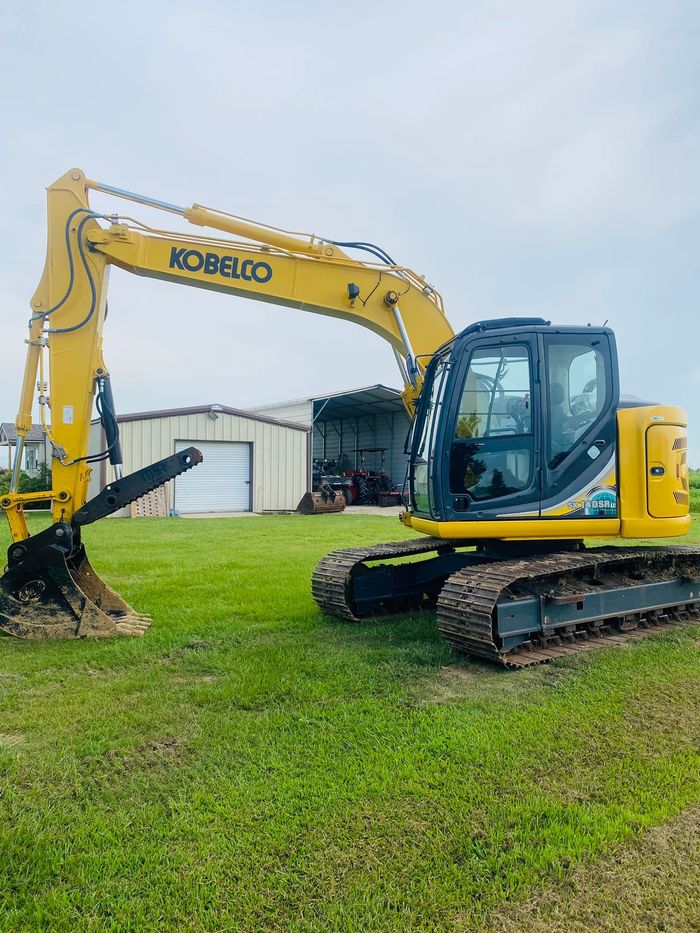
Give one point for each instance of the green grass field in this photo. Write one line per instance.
(695, 490)
(253, 765)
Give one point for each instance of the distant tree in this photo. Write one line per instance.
(467, 425)
(39, 483)
(26, 483)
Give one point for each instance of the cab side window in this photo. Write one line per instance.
(576, 395)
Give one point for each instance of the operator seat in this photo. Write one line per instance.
(556, 417)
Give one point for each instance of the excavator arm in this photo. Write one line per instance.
(68, 314)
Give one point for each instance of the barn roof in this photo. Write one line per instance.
(350, 403)
(204, 410)
(357, 403)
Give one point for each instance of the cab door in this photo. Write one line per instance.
(580, 400)
(493, 432)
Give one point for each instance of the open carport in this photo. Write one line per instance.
(343, 423)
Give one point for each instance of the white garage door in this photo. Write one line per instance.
(221, 483)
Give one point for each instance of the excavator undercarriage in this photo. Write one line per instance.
(529, 608)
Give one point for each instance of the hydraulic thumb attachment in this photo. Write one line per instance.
(49, 589)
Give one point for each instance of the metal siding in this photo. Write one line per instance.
(299, 412)
(383, 430)
(374, 430)
(279, 476)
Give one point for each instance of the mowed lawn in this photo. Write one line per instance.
(253, 765)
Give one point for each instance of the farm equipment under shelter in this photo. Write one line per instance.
(326, 475)
(371, 484)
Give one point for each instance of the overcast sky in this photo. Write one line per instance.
(527, 157)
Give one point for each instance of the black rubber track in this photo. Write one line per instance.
(466, 606)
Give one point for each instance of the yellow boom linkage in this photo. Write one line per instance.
(68, 314)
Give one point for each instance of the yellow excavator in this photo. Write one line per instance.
(520, 446)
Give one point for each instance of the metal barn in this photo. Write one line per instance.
(344, 422)
(252, 462)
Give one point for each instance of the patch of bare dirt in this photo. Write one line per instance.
(648, 885)
(169, 746)
(149, 754)
(8, 739)
(197, 644)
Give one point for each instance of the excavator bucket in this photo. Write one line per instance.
(50, 590)
(325, 500)
(53, 594)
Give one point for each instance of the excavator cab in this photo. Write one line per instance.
(522, 447)
(517, 424)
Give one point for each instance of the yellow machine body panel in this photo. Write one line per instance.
(653, 469)
(525, 529)
(667, 471)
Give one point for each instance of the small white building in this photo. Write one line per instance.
(252, 462)
(37, 450)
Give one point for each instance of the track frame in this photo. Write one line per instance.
(518, 610)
